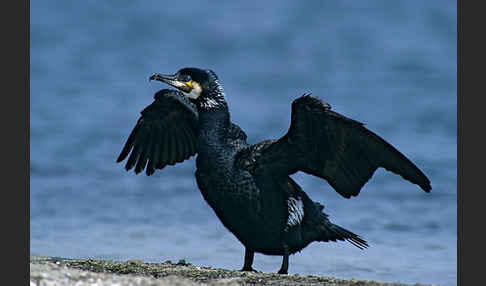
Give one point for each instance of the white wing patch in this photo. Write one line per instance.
(295, 207)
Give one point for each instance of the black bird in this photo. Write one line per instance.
(248, 186)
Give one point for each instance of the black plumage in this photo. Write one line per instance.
(248, 186)
(165, 134)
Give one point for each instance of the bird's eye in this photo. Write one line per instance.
(186, 78)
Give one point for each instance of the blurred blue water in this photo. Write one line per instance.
(389, 64)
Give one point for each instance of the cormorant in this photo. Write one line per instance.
(248, 186)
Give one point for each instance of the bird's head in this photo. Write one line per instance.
(201, 86)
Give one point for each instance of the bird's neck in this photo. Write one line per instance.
(214, 117)
(214, 123)
(210, 104)
(212, 143)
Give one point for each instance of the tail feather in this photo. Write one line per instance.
(332, 232)
(347, 235)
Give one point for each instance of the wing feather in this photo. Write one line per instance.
(155, 151)
(129, 144)
(181, 145)
(164, 152)
(162, 133)
(150, 169)
(331, 146)
(185, 141)
(172, 148)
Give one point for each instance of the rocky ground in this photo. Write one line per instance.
(61, 271)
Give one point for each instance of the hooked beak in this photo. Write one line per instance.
(171, 80)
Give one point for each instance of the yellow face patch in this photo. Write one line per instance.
(190, 84)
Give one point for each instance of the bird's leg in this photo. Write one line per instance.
(248, 260)
(285, 261)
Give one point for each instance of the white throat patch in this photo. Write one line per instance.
(195, 91)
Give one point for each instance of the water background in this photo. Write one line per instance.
(389, 64)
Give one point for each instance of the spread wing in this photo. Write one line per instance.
(165, 134)
(328, 145)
